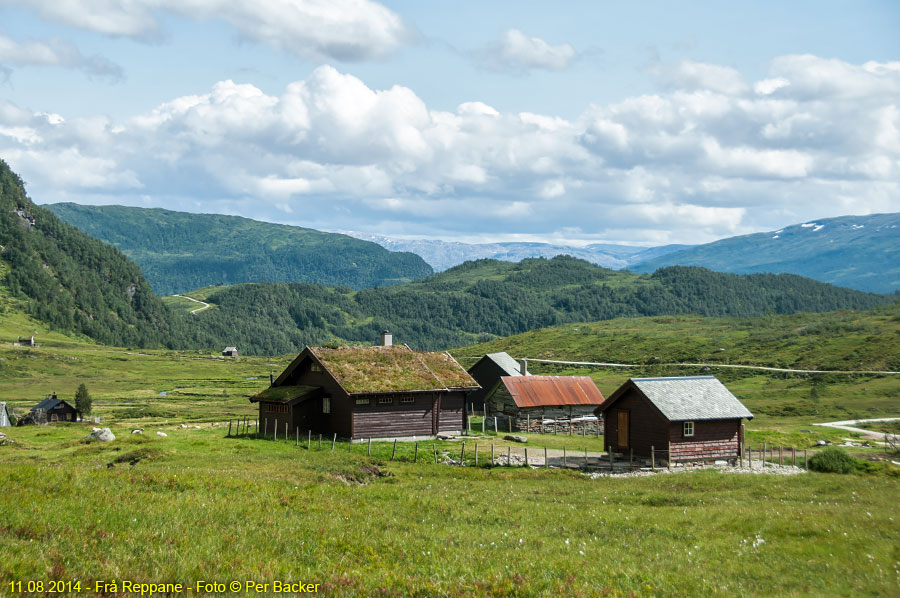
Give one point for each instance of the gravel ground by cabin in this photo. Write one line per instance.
(769, 469)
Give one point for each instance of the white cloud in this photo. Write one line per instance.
(687, 165)
(518, 52)
(348, 30)
(691, 75)
(55, 53)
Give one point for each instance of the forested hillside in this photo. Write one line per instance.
(77, 284)
(486, 299)
(859, 252)
(178, 251)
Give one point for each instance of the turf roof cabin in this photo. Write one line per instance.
(522, 401)
(488, 370)
(367, 392)
(691, 418)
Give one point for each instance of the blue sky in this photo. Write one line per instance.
(639, 122)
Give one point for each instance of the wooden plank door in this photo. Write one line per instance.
(623, 429)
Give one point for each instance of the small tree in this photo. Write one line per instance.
(83, 400)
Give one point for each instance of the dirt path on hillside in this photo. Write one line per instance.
(711, 365)
(199, 309)
(847, 425)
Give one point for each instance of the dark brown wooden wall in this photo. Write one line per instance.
(377, 420)
(487, 374)
(453, 412)
(647, 426)
(711, 440)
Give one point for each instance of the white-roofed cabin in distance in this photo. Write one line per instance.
(685, 419)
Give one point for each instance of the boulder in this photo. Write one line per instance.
(138, 431)
(182, 426)
(101, 434)
(514, 438)
(163, 434)
(821, 442)
(444, 437)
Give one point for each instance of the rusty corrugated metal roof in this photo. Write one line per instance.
(547, 391)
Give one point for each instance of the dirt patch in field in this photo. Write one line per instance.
(366, 474)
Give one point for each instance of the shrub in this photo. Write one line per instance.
(833, 460)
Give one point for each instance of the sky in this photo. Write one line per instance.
(645, 122)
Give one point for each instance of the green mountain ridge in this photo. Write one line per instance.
(859, 252)
(75, 283)
(485, 299)
(180, 251)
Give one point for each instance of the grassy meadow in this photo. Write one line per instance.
(197, 505)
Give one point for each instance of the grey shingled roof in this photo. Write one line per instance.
(692, 398)
(509, 365)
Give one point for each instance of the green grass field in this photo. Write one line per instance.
(196, 505)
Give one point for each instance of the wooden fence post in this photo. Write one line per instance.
(333, 440)
(585, 457)
(416, 454)
(805, 460)
(528, 422)
(297, 431)
(509, 423)
(652, 458)
(285, 431)
(266, 432)
(630, 457)
(526, 456)
(434, 448)
(492, 455)
(275, 431)
(794, 456)
(508, 456)
(394, 452)
(369, 448)
(495, 424)
(476, 454)
(320, 442)
(780, 455)
(462, 453)
(546, 461)
(565, 462)
(309, 440)
(764, 455)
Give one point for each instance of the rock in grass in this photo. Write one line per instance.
(514, 438)
(138, 431)
(163, 434)
(101, 434)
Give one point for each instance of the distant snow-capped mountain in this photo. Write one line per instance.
(442, 255)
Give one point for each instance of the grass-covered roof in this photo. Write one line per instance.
(397, 368)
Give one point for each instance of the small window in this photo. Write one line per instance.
(385, 400)
(326, 404)
(362, 401)
(407, 399)
(688, 428)
(315, 367)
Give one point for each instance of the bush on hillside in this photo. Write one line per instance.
(833, 460)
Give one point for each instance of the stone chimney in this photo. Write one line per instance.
(387, 339)
(523, 367)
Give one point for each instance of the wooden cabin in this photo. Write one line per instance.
(4, 416)
(367, 392)
(487, 372)
(521, 402)
(230, 352)
(689, 418)
(57, 410)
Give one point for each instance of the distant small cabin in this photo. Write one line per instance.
(688, 418)
(522, 401)
(4, 416)
(57, 409)
(27, 342)
(487, 372)
(230, 352)
(367, 392)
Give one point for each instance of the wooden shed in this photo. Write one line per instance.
(367, 392)
(522, 401)
(688, 418)
(487, 372)
(57, 410)
(230, 352)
